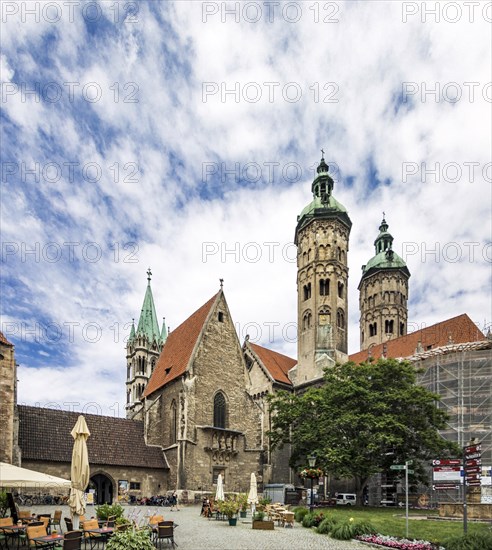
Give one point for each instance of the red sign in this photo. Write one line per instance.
(473, 462)
(447, 462)
(472, 469)
(470, 477)
(473, 449)
(446, 468)
(474, 483)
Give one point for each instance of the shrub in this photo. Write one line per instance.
(106, 511)
(259, 516)
(471, 541)
(326, 526)
(300, 513)
(4, 503)
(130, 540)
(312, 519)
(363, 527)
(342, 530)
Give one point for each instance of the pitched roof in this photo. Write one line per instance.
(278, 365)
(4, 340)
(178, 348)
(456, 330)
(44, 434)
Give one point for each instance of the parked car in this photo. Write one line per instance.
(346, 499)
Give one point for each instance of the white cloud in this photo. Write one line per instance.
(171, 132)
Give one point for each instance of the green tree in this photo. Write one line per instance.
(362, 419)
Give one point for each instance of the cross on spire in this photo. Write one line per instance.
(221, 283)
(322, 153)
(149, 274)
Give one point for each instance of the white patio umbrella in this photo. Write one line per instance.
(219, 493)
(253, 493)
(80, 472)
(14, 476)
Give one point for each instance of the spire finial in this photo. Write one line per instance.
(384, 214)
(221, 283)
(322, 154)
(149, 274)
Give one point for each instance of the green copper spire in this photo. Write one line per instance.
(147, 324)
(132, 331)
(164, 331)
(385, 257)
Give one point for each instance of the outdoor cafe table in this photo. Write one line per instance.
(48, 541)
(13, 531)
(102, 534)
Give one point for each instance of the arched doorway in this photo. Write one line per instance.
(103, 485)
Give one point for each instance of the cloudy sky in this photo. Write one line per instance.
(183, 136)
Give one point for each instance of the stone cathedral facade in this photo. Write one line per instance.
(202, 394)
(197, 397)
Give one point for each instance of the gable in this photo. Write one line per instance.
(179, 348)
(277, 364)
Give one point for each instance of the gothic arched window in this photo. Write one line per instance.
(306, 320)
(324, 287)
(174, 422)
(219, 410)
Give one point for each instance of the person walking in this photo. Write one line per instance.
(174, 502)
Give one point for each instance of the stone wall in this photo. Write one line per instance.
(152, 481)
(7, 402)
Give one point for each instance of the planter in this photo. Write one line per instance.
(232, 522)
(265, 525)
(242, 514)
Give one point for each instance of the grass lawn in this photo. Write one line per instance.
(392, 522)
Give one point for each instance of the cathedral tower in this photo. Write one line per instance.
(142, 351)
(322, 239)
(383, 293)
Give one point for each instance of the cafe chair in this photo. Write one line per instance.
(4, 535)
(46, 519)
(165, 532)
(72, 540)
(56, 521)
(94, 539)
(68, 524)
(34, 532)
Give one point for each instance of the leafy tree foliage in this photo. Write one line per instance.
(362, 419)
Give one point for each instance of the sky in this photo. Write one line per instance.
(183, 136)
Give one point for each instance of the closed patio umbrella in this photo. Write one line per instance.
(219, 493)
(80, 473)
(253, 493)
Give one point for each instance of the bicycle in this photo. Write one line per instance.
(23, 500)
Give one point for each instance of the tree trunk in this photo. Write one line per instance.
(360, 485)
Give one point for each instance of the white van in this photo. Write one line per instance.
(346, 499)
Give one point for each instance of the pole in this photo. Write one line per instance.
(465, 510)
(311, 503)
(406, 498)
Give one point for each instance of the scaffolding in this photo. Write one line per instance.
(462, 376)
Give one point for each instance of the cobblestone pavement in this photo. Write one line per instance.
(197, 533)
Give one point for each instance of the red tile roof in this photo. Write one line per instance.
(4, 340)
(278, 365)
(178, 348)
(458, 330)
(44, 434)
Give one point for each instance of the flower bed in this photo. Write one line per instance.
(400, 544)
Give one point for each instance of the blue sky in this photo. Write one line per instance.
(179, 138)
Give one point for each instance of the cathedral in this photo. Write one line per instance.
(202, 394)
(196, 396)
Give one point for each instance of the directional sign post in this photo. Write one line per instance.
(397, 467)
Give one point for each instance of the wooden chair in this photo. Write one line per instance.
(72, 540)
(56, 521)
(46, 519)
(92, 538)
(34, 531)
(5, 535)
(165, 532)
(155, 520)
(288, 519)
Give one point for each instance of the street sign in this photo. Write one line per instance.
(446, 468)
(473, 469)
(473, 462)
(447, 462)
(473, 449)
(445, 487)
(411, 471)
(474, 483)
(409, 462)
(397, 467)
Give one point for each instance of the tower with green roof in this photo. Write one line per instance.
(142, 352)
(383, 293)
(322, 239)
